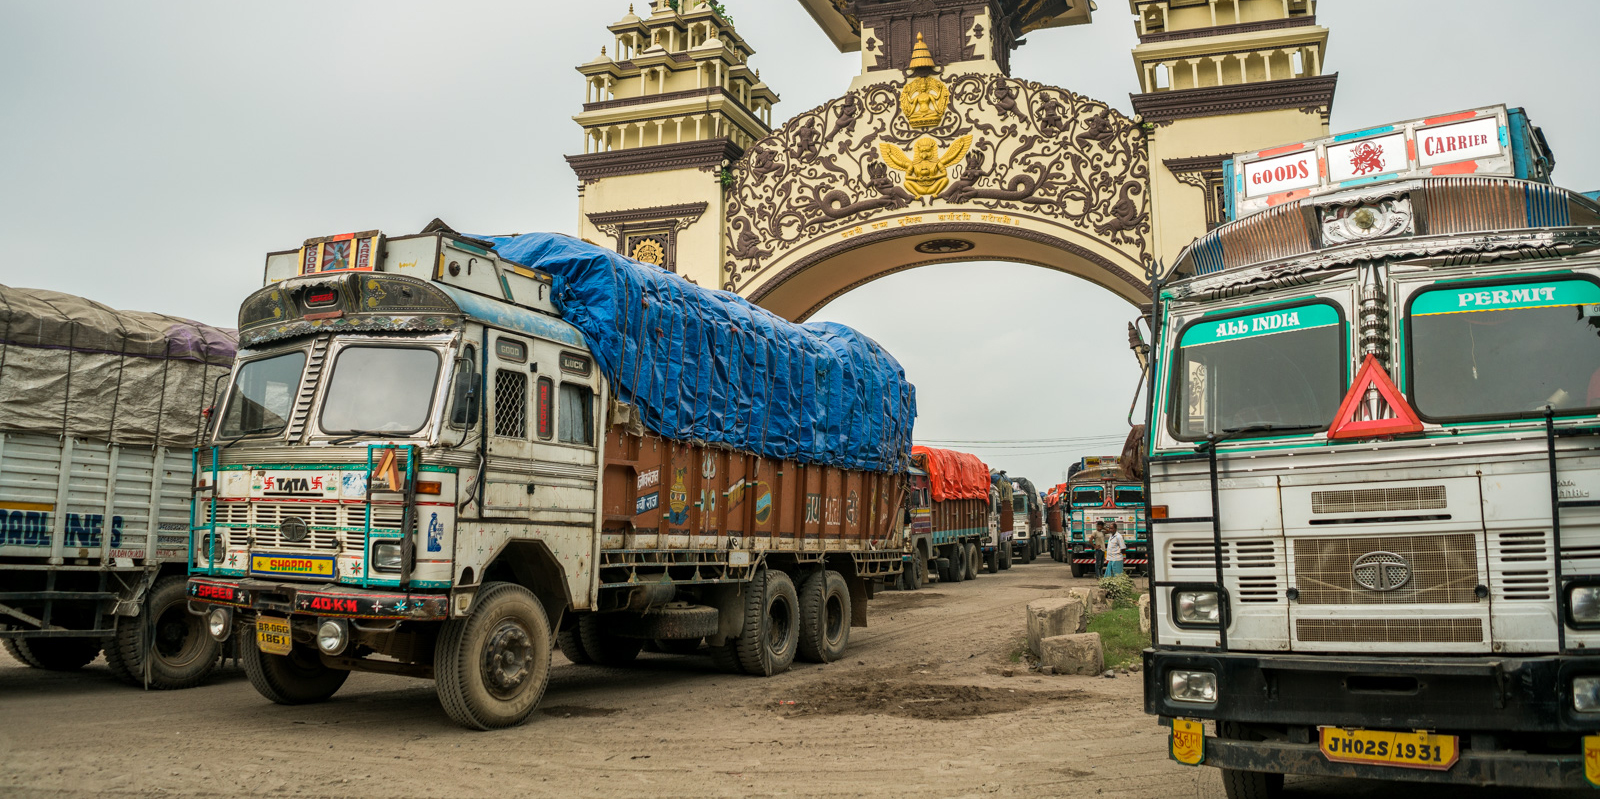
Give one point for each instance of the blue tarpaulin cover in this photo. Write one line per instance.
(708, 366)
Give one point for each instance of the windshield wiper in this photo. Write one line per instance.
(276, 426)
(1233, 433)
(359, 434)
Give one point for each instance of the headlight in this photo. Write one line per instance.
(218, 622)
(386, 556)
(1197, 607)
(1188, 686)
(332, 636)
(1584, 604)
(1586, 694)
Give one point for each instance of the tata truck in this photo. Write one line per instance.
(100, 410)
(1101, 498)
(441, 456)
(1027, 521)
(956, 510)
(1374, 466)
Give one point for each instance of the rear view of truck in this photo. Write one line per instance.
(99, 413)
(958, 512)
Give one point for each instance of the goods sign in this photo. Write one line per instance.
(346, 251)
(1483, 141)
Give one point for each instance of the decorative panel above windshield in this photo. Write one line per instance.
(1275, 371)
(1504, 350)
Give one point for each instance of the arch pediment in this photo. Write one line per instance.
(934, 157)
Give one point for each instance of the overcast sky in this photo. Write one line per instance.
(151, 153)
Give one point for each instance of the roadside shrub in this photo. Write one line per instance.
(1121, 590)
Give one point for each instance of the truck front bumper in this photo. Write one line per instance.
(1496, 705)
(322, 600)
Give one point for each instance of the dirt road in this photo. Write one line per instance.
(918, 709)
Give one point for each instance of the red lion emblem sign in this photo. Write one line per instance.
(1366, 158)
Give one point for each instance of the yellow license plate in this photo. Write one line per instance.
(303, 566)
(1188, 742)
(1413, 750)
(272, 636)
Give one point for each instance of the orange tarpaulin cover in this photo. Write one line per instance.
(953, 475)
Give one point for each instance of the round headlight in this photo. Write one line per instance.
(219, 621)
(332, 636)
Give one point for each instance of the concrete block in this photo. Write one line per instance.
(1054, 616)
(1094, 598)
(1144, 613)
(1073, 654)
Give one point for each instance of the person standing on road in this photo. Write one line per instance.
(1114, 553)
(1097, 541)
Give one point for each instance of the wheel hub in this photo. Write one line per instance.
(506, 659)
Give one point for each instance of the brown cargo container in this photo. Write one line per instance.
(662, 494)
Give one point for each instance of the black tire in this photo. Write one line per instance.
(991, 561)
(605, 647)
(1005, 558)
(824, 617)
(182, 653)
(974, 558)
(64, 654)
(771, 633)
(1077, 570)
(725, 657)
(679, 647)
(1238, 783)
(957, 571)
(291, 680)
(571, 645)
(917, 572)
(20, 653)
(491, 669)
(1027, 552)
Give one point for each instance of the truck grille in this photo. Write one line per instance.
(1451, 631)
(1523, 559)
(1444, 569)
(1241, 553)
(1394, 498)
(334, 527)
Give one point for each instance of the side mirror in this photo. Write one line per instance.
(464, 394)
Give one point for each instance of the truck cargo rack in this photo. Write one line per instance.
(1561, 583)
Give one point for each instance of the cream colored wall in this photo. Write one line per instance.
(699, 245)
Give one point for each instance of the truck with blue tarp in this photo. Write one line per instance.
(99, 411)
(1373, 468)
(440, 455)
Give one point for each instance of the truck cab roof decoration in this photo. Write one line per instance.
(363, 302)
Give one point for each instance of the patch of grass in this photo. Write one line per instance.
(1018, 651)
(1120, 636)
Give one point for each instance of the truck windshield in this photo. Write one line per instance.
(1506, 350)
(1088, 496)
(1019, 504)
(263, 395)
(1128, 495)
(1282, 368)
(380, 389)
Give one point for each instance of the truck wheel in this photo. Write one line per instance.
(679, 647)
(491, 668)
(1027, 553)
(57, 655)
(1005, 557)
(603, 646)
(958, 564)
(916, 572)
(571, 645)
(1077, 570)
(1238, 783)
(824, 617)
(291, 680)
(182, 653)
(991, 561)
(18, 652)
(973, 559)
(771, 630)
(725, 657)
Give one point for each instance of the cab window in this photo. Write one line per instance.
(576, 417)
(1088, 496)
(1281, 369)
(1128, 495)
(1504, 350)
(263, 395)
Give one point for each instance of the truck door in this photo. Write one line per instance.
(508, 476)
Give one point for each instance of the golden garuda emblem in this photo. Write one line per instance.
(927, 171)
(923, 101)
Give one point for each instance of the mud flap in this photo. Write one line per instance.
(729, 600)
(860, 592)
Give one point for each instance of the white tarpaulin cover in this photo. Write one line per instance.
(73, 366)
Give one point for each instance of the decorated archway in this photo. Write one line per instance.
(975, 166)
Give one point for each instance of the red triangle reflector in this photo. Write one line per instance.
(1371, 376)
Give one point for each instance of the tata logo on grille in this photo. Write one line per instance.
(294, 529)
(1381, 571)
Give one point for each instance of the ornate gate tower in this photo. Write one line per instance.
(935, 152)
